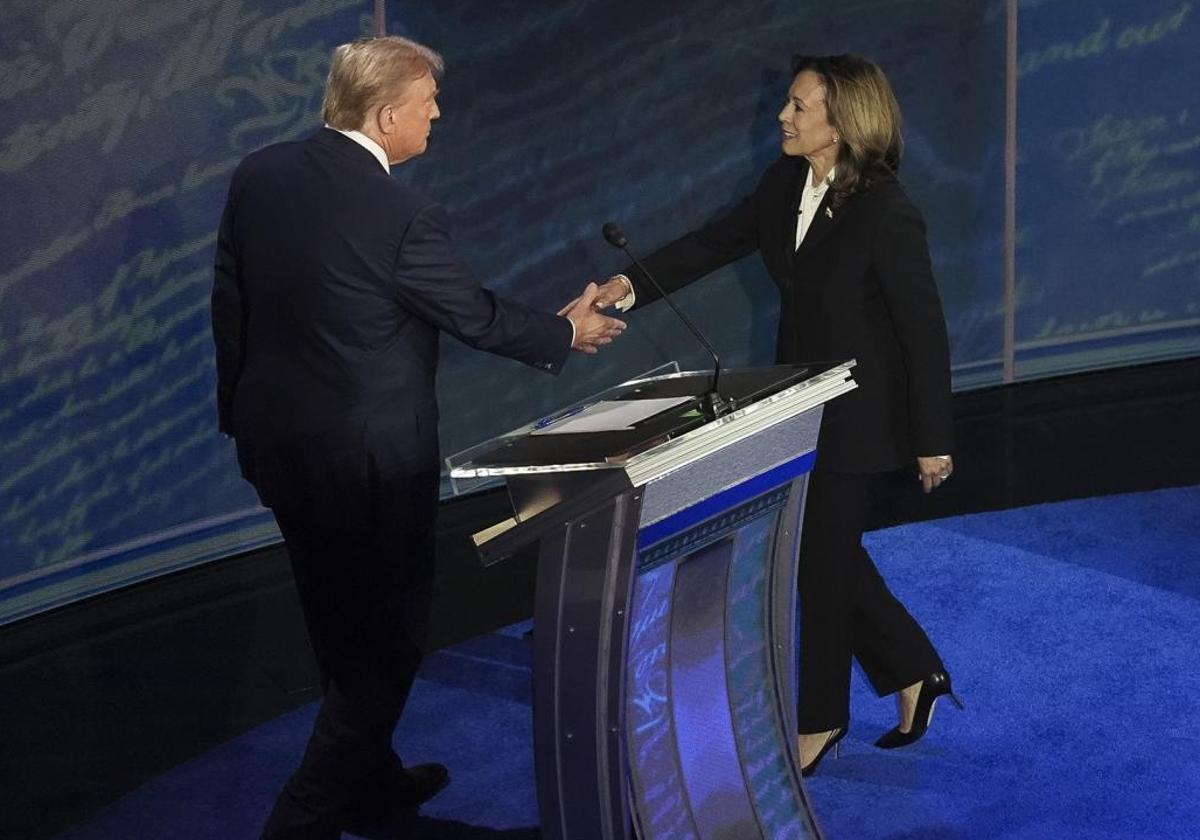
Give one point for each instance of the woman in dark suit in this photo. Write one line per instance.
(847, 250)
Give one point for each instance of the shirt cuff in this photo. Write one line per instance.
(625, 303)
(572, 323)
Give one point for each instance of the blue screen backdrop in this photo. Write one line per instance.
(123, 121)
(1108, 194)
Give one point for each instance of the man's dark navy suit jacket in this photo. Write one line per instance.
(332, 284)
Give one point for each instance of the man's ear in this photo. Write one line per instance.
(383, 118)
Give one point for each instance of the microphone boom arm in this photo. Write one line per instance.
(713, 403)
(687, 321)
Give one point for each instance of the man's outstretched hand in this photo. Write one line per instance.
(592, 329)
(612, 291)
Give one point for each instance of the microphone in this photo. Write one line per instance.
(713, 403)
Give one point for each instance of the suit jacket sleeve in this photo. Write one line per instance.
(901, 258)
(430, 281)
(698, 253)
(228, 324)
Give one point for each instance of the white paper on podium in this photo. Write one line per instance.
(611, 415)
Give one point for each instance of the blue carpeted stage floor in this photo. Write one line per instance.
(1071, 631)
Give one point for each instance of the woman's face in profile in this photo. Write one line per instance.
(804, 121)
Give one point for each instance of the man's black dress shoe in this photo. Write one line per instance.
(420, 783)
(395, 818)
(396, 824)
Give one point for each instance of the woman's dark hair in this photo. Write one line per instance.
(862, 109)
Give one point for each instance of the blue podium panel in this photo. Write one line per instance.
(761, 711)
(708, 750)
(710, 685)
(656, 782)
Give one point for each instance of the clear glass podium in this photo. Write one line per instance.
(664, 626)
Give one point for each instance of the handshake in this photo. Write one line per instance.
(592, 328)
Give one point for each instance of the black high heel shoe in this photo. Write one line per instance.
(830, 744)
(934, 686)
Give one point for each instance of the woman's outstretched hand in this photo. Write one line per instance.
(932, 470)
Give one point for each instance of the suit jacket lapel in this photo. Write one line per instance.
(793, 193)
(824, 222)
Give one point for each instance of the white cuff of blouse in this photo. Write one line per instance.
(625, 303)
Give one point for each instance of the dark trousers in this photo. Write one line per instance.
(364, 577)
(846, 609)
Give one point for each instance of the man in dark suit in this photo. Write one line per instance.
(333, 282)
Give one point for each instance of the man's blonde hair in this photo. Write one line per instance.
(371, 71)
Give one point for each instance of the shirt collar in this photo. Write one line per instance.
(808, 185)
(368, 144)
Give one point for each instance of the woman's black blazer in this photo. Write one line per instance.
(859, 287)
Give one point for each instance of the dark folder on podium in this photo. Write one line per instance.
(664, 627)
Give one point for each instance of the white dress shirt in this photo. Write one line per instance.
(368, 144)
(810, 201)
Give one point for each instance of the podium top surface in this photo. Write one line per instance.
(630, 420)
